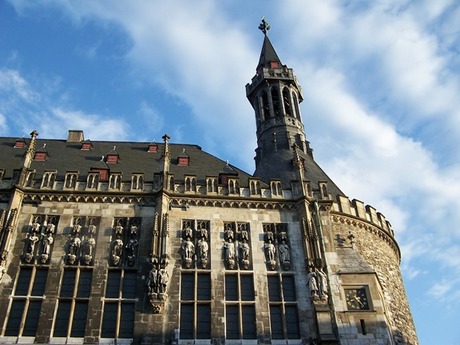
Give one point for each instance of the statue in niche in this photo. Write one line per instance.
(117, 251)
(76, 229)
(131, 250)
(118, 231)
(312, 283)
(157, 282)
(35, 228)
(50, 228)
(285, 256)
(88, 249)
(203, 233)
(188, 250)
(229, 248)
(73, 249)
(133, 231)
(29, 249)
(322, 284)
(270, 252)
(203, 248)
(244, 250)
(152, 281)
(187, 232)
(162, 282)
(47, 241)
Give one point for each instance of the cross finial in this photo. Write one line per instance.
(264, 27)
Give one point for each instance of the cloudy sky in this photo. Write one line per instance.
(380, 82)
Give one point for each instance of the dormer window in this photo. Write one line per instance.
(153, 147)
(86, 145)
(113, 156)
(20, 144)
(274, 64)
(183, 159)
(41, 154)
(103, 173)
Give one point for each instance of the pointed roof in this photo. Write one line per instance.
(268, 54)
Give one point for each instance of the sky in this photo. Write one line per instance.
(381, 102)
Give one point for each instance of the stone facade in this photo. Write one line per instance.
(160, 243)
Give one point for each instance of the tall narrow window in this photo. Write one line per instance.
(73, 301)
(240, 313)
(276, 102)
(195, 309)
(27, 302)
(119, 304)
(284, 319)
(287, 102)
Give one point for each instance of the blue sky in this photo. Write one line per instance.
(381, 103)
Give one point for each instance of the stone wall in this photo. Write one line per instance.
(380, 251)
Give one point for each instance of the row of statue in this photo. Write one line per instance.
(81, 246)
(284, 252)
(119, 249)
(200, 247)
(157, 281)
(44, 235)
(317, 283)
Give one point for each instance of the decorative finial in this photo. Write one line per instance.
(264, 27)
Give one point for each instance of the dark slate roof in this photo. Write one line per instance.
(267, 54)
(284, 171)
(64, 156)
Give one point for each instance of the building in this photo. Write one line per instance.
(156, 243)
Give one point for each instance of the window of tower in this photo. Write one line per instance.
(287, 102)
(296, 106)
(276, 102)
(265, 108)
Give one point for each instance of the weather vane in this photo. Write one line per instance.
(264, 27)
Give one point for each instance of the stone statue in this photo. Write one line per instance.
(74, 245)
(322, 283)
(131, 246)
(46, 244)
(229, 248)
(29, 249)
(285, 256)
(244, 250)
(163, 279)
(152, 281)
(88, 249)
(312, 283)
(187, 232)
(188, 249)
(203, 249)
(270, 250)
(117, 250)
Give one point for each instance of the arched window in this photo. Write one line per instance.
(265, 107)
(276, 102)
(296, 106)
(287, 102)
